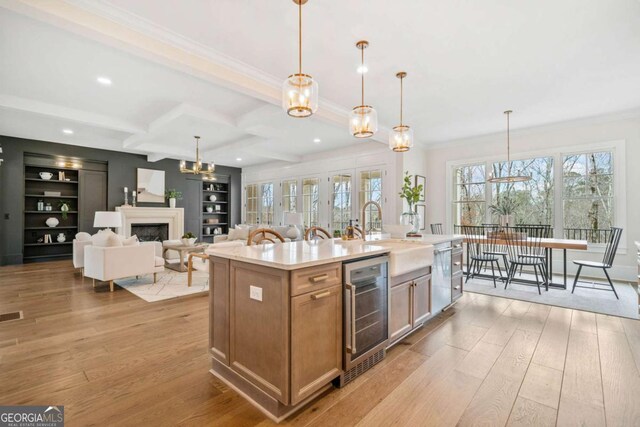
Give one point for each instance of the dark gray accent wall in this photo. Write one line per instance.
(122, 173)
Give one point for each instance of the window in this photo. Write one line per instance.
(371, 190)
(469, 203)
(533, 199)
(251, 204)
(311, 201)
(266, 203)
(587, 184)
(341, 201)
(289, 195)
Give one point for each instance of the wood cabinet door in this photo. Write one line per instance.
(219, 308)
(457, 283)
(316, 341)
(400, 317)
(421, 299)
(259, 327)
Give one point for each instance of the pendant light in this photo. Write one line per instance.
(363, 120)
(509, 178)
(300, 91)
(401, 137)
(198, 168)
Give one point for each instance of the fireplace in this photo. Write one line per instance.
(151, 232)
(173, 218)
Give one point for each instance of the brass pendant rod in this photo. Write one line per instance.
(508, 112)
(300, 37)
(362, 73)
(401, 90)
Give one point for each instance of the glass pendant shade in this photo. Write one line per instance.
(401, 138)
(300, 95)
(363, 121)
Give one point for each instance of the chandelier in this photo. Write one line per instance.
(300, 91)
(508, 178)
(401, 137)
(198, 168)
(363, 120)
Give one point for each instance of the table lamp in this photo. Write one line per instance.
(107, 220)
(292, 219)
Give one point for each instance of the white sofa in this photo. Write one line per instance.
(241, 233)
(117, 262)
(78, 253)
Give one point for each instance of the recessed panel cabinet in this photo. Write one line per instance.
(409, 306)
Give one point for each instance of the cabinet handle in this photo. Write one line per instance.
(320, 278)
(351, 331)
(320, 295)
(457, 287)
(457, 263)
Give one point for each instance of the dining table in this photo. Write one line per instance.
(548, 244)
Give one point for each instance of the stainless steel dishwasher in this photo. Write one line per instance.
(441, 277)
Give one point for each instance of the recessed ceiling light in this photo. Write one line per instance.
(317, 140)
(105, 81)
(238, 159)
(67, 131)
(362, 69)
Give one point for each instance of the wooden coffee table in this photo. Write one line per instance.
(183, 250)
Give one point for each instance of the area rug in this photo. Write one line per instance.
(169, 284)
(594, 300)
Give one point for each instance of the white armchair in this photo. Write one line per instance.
(117, 262)
(78, 253)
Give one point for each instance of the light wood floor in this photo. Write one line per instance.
(113, 359)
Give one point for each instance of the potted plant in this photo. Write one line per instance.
(188, 238)
(504, 207)
(411, 193)
(63, 206)
(172, 194)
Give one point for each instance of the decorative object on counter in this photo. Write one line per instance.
(107, 219)
(213, 198)
(40, 205)
(401, 138)
(46, 175)
(421, 210)
(172, 194)
(363, 119)
(300, 91)
(411, 193)
(48, 207)
(126, 197)
(188, 238)
(292, 219)
(134, 196)
(198, 168)
(209, 208)
(52, 222)
(150, 186)
(505, 206)
(337, 234)
(422, 181)
(52, 193)
(510, 177)
(63, 205)
(61, 238)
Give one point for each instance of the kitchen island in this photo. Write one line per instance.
(277, 334)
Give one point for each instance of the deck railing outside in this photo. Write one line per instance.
(600, 235)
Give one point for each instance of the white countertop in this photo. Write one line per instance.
(295, 255)
(431, 239)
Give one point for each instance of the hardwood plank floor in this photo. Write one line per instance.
(114, 359)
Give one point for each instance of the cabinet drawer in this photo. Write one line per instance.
(315, 278)
(456, 262)
(456, 286)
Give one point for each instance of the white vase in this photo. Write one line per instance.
(61, 237)
(52, 222)
(172, 202)
(213, 198)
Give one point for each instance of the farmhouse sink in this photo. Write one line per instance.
(406, 256)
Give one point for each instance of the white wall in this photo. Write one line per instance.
(571, 134)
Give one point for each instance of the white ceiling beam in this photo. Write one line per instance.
(274, 155)
(156, 157)
(239, 145)
(70, 114)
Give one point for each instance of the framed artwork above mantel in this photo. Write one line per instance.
(421, 180)
(150, 186)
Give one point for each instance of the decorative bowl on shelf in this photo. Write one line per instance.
(52, 222)
(46, 175)
(189, 242)
(213, 198)
(209, 209)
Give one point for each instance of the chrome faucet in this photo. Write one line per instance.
(364, 212)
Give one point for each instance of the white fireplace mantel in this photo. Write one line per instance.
(174, 217)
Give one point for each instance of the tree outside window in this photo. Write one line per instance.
(469, 195)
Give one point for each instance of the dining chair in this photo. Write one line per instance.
(314, 233)
(437, 229)
(262, 235)
(545, 231)
(481, 251)
(524, 250)
(607, 260)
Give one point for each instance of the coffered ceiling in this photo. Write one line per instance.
(214, 68)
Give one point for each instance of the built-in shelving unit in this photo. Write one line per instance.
(215, 213)
(35, 227)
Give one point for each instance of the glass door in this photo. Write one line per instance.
(341, 200)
